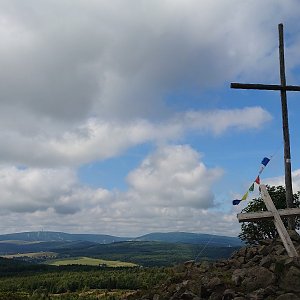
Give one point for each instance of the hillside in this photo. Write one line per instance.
(50, 236)
(138, 252)
(155, 249)
(260, 272)
(170, 237)
(192, 238)
(150, 253)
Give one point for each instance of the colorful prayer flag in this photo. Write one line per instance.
(251, 189)
(261, 169)
(245, 196)
(257, 180)
(265, 161)
(236, 202)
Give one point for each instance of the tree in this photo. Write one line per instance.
(253, 232)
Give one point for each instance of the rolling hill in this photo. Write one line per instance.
(155, 249)
(192, 238)
(169, 237)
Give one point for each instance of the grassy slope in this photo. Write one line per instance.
(87, 261)
(150, 253)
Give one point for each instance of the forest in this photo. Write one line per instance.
(20, 280)
(41, 275)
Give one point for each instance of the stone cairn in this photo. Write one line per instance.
(258, 272)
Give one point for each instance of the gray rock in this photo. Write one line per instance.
(188, 295)
(264, 250)
(294, 235)
(156, 297)
(257, 295)
(258, 277)
(215, 296)
(250, 253)
(235, 263)
(291, 280)
(214, 282)
(266, 242)
(266, 261)
(228, 294)
(257, 258)
(189, 263)
(279, 249)
(288, 296)
(270, 290)
(238, 276)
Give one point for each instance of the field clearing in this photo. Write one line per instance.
(19, 242)
(88, 261)
(32, 255)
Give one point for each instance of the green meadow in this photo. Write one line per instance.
(88, 261)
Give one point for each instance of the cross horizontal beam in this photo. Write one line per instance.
(255, 216)
(269, 87)
(286, 239)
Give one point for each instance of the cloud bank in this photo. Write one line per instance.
(85, 81)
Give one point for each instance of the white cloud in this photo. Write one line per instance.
(218, 121)
(98, 140)
(172, 188)
(280, 180)
(174, 177)
(32, 190)
(86, 80)
(122, 59)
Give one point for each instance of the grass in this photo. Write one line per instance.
(88, 261)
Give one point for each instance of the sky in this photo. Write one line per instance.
(117, 117)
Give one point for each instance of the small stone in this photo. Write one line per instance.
(294, 235)
(156, 297)
(289, 262)
(280, 250)
(264, 250)
(257, 295)
(238, 276)
(189, 263)
(242, 252)
(228, 294)
(215, 296)
(266, 242)
(270, 290)
(188, 295)
(215, 281)
(258, 277)
(266, 261)
(250, 253)
(291, 280)
(288, 296)
(257, 258)
(241, 259)
(235, 263)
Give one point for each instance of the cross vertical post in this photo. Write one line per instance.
(285, 127)
(283, 88)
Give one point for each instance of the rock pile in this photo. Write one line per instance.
(260, 272)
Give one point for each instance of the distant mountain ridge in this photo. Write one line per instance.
(168, 237)
(192, 238)
(51, 236)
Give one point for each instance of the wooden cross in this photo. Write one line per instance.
(273, 213)
(283, 88)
